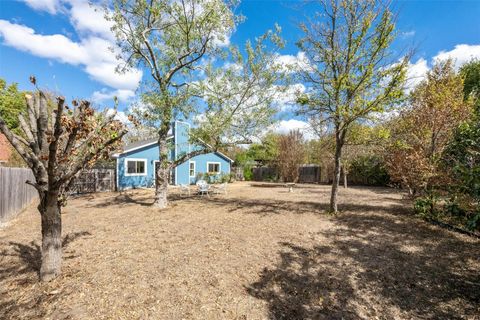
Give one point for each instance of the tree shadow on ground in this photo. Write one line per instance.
(282, 185)
(300, 287)
(374, 265)
(20, 266)
(267, 206)
(30, 256)
(144, 200)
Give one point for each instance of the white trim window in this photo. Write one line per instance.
(135, 167)
(191, 169)
(214, 167)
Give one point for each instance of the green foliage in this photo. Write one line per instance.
(370, 170)
(462, 157)
(453, 208)
(265, 151)
(471, 73)
(425, 207)
(248, 173)
(474, 222)
(12, 103)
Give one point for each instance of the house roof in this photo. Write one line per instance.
(151, 141)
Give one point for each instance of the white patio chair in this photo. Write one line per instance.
(203, 187)
(221, 188)
(184, 190)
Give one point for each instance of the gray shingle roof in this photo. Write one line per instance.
(141, 143)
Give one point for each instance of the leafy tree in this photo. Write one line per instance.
(350, 72)
(56, 145)
(178, 43)
(12, 102)
(266, 151)
(291, 155)
(420, 134)
(263, 152)
(471, 74)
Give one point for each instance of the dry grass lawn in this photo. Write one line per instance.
(257, 253)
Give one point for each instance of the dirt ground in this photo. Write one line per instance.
(259, 252)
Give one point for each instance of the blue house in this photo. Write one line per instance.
(136, 164)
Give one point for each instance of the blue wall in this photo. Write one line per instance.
(150, 154)
(201, 165)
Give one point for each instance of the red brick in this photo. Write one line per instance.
(5, 148)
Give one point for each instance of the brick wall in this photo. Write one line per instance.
(5, 148)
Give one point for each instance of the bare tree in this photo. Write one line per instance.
(291, 155)
(56, 142)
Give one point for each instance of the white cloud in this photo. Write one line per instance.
(55, 46)
(120, 116)
(416, 73)
(462, 53)
(93, 53)
(285, 126)
(293, 63)
(221, 40)
(87, 18)
(287, 98)
(51, 6)
(407, 34)
(105, 94)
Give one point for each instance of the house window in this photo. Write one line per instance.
(192, 169)
(136, 167)
(213, 167)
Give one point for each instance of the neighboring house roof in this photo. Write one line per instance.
(152, 141)
(5, 149)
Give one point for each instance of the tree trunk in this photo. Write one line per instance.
(162, 175)
(51, 236)
(336, 173)
(345, 184)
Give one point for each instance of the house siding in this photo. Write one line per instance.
(150, 154)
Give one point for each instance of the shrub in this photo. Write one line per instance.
(247, 173)
(425, 207)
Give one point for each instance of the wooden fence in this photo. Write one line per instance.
(306, 174)
(15, 194)
(94, 180)
(309, 174)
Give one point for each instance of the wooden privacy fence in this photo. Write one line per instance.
(15, 194)
(309, 174)
(306, 174)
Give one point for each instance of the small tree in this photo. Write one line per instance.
(291, 155)
(56, 142)
(350, 72)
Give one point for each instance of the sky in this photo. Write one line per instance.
(65, 43)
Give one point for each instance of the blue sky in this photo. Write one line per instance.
(64, 43)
